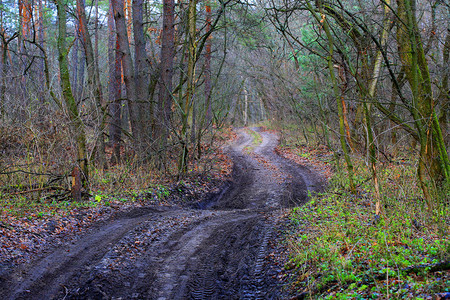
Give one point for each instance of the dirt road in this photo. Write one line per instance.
(216, 250)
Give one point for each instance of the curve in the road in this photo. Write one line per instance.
(217, 252)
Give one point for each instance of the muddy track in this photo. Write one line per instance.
(216, 250)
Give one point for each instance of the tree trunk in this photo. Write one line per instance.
(3, 76)
(433, 153)
(192, 59)
(96, 35)
(128, 72)
(444, 97)
(208, 65)
(81, 64)
(165, 83)
(74, 79)
(190, 90)
(245, 106)
(128, 15)
(336, 93)
(93, 77)
(114, 89)
(40, 42)
(5, 66)
(77, 123)
(141, 70)
(2, 65)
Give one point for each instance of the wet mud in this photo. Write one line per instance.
(215, 249)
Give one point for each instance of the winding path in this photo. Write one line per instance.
(217, 251)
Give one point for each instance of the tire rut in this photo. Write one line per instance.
(48, 274)
(217, 251)
(176, 266)
(252, 289)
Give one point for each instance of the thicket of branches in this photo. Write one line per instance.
(371, 75)
(87, 86)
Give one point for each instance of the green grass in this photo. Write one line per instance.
(340, 250)
(257, 140)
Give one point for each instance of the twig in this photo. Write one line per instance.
(41, 189)
(65, 290)
(30, 173)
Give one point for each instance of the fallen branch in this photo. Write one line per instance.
(29, 173)
(17, 189)
(41, 189)
(442, 266)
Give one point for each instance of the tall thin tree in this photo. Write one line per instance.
(114, 88)
(128, 71)
(78, 129)
(167, 57)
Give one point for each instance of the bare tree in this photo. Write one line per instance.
(128, 72)
(77, 123)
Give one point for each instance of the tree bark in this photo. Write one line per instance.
(114, 89)
(245, 111)
(208, 65)
(128, 71)
(5, 65)
(77, 123)
(141, 69)
(40, 42)
(94, 77)
(3, 76)
(444, 96)
(433, 154)
(74, 58)
(166, 75)
(96, 35)
(190, 90)
(336, 92)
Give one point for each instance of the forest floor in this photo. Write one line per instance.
(250, 233)
(339, 248)
(225, 245)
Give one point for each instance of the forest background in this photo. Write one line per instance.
(104, 97)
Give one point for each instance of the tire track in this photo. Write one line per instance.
(217, 251)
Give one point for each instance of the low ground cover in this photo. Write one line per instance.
(339, 248)
(257, 140)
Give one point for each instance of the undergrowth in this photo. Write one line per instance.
(339, 248)
(36, 184)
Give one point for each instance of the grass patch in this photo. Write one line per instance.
(257, 140)
(339, 248)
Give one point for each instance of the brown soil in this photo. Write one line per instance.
(218, 249)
